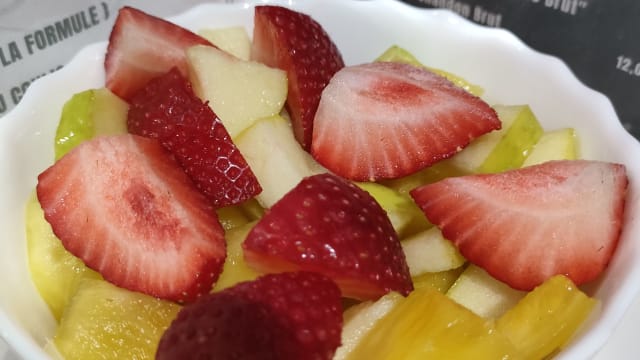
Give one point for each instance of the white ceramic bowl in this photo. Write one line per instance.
(509, 71)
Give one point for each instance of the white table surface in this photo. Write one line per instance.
(621, 346)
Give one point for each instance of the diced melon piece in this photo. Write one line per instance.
(503, 149)
(103, 321)
(233, 40)
(235, 269)
(440, 281)
(479, 292)
(239, 92)
(54, 271)
(428, 325)
(397, 54)
(546, 318)
(558, 144)
(429, 252)
(360, 318)
(400, 208)
(276, 158)
(87, 114)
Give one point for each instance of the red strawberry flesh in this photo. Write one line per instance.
(142, 47)
(328, 225)
(296, 43)
(277, 316)
(168, 110)
(126, 208)
(526, 225)
(386, 120)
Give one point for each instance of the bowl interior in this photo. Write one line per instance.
(509, 71)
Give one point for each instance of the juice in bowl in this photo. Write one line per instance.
(507, 71)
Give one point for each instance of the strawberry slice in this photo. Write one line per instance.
(386, 120)
(526, 225)
(328, 225)
(277, 316)
(167, 109)
(142, 47)
(297, 44)
(125, 207)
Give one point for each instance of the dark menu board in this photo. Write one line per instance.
(598, 39)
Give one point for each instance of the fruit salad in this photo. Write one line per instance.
(233, 196)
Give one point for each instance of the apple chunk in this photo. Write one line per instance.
(558, 144)
(476, 290)
(401, 209)
(397, 54)
(238, 91)
(428, 252)
(276, 158)
(504, 149)
(360, 319)
(233, 40)
(87, 114)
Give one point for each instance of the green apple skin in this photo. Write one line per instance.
(397, 54)
(517, 142)
(561, 144)
(401, 209)
(87, 114)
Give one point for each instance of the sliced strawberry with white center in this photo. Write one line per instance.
(328, 225)
(168, 110)
(294, 315)
(296, 43)
(125, 207)
(386, 120)
(526, 225)
(141, 47)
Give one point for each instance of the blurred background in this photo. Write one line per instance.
(598, 39)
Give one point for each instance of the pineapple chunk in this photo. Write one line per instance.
(428, 325)
(103, 321)
(546, 318)
(55, 271)
(235, 268)
(479, 292)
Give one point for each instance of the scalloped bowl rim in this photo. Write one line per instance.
(510, 71)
